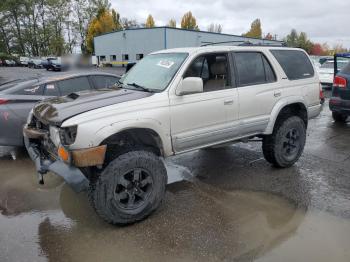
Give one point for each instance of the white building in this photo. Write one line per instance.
(130, 45)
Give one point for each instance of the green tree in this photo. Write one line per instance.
(172, 23)
(255, 29)
(188, 21)
(102, 23)
(292, 38)
(116, 19)
(304, 42)
(149, 22)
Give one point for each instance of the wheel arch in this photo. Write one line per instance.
(291, 106)
(133, 137)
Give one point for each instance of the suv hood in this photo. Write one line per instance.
(56, 110)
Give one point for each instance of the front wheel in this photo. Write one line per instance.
(338, 117)
(285, 145)
(130, 188)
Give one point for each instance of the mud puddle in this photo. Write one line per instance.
(197, 221)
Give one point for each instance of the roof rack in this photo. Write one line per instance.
(245, 43)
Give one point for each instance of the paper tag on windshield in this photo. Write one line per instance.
(50, 87)
(165, 63)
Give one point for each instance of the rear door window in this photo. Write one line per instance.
(74, 85)
(294, 63)
(101, 82)
(51, 89)
(250, 68)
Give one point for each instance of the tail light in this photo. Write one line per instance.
(321, 93)
(339, 82)
(3, 101)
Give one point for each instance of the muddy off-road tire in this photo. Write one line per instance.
(285, 145)
(130, 188)
(338, 117)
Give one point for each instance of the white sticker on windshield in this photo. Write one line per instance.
(165, 63)
(50, 87)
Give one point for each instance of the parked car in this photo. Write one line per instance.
(171, 102)
(23, 61)
(57, 65)
(35, 63)
(9, 62)
(326, 72)
(45, 62)
(339, 102)
(19, 96)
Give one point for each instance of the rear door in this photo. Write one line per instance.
(258, 90)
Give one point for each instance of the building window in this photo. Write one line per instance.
(102, 58)
(125, 57)
(113, 58)
(139, 56)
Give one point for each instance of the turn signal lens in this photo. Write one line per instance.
(63, 154)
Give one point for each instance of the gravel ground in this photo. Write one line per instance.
(230, 205)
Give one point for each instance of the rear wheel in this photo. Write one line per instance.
(285, 145)
(130, 188)
(338, 117)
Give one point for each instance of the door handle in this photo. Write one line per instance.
(277, 94)
(228, 102)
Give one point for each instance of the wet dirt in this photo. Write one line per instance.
(225, 204)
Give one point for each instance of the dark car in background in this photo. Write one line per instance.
(339, 102)
(46, 62)
(19, 96)
(35, 63)
(57, 65)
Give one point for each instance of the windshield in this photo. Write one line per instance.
(154, 72)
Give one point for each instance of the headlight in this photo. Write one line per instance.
(30, 116)
(68, 135)
(54, 135)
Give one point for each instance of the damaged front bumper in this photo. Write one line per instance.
(71, 174)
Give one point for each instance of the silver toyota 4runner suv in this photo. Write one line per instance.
(112, 142)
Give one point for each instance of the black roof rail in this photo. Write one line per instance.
(225, 42)
(245, 43)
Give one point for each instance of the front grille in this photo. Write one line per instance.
(46, 146)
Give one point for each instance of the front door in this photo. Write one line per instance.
(201, 119)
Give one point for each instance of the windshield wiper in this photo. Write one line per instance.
(140, 87)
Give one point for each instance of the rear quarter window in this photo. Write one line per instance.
(101, 81)
(294, 63)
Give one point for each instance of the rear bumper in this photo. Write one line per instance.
(339, 106)
(314, 111)
(72, 175)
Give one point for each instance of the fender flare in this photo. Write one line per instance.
(278, 108)
(144, 123)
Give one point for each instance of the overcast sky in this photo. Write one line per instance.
(323, 21)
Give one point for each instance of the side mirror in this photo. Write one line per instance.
(190, 85)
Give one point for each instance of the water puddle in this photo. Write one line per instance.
(197, 221)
